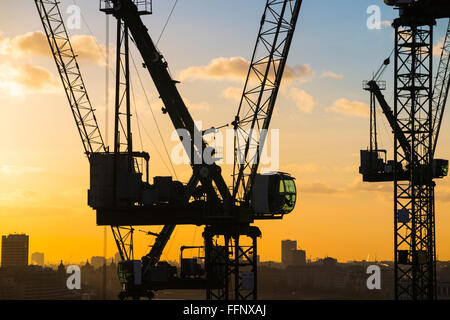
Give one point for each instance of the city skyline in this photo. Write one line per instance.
(44, 175)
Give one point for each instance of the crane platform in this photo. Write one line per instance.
(192, 213)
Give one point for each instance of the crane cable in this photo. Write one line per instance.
(137, 116)
(383, 67)
(154, 145)
(376, 78)
(153, 115)
(167, 22)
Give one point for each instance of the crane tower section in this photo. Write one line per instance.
(415, 121)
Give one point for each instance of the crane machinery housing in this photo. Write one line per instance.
(120, 190)
(415, 121)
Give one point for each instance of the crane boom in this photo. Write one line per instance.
(69, 71)
(441, 88)
(261, 90)
(373, 87)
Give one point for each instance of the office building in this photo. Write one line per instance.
(15, 250)
(286, 247)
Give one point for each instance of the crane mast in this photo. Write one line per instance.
(415, 120)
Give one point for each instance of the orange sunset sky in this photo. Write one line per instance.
(322, 114)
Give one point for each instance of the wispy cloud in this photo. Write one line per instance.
(35, 43)
(18, 78)
(236, 69)
(19, 75)
(437, 49)
(232, 93)
(318, 188)
(331, 75)
(349, 108)
(304, 101)
(19, 170)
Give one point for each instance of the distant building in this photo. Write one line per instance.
(98, 262)
(298, 257)
(15, 250)
(37, 258)
(35, 283)
(61, 268)
(328, 261)
(117, 258)
(286, 247)
(290, 256)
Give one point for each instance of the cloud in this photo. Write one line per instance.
(437, 49)
(18, 196)
(30, 43)
(301, 72)
(317, 188)
(86, 48)
(35, 77)
(305, 102)
(18, 75)
(232, 93)
(16, 78)
(19, 170)
(346, 169)
(35, 43)
(332, 75)
(196, 106)
(236, 69)
(359, 185)
(350, 108)
(309, 167)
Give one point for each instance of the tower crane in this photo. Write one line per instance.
(122, 198)
(415, 121)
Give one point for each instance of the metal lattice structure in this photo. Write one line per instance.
(413, 200)
(69, 71)
(260, 91)
(441, 87)
(227, 261)
(122, 118)
(144, 7)
(373, 114)
(123, 236)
